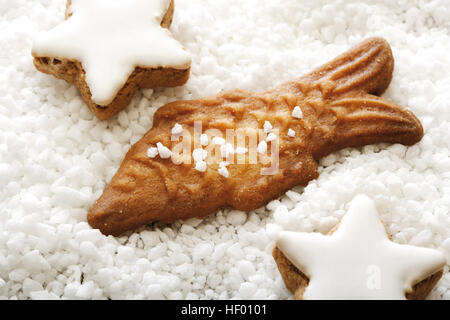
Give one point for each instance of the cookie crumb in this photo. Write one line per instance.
(164, 152)
(177, 129)
(152, 152)
(200, 166)
(262, 147)
(271, 137)
(199, 154)
(291, 133)
(204, 139)
(267, 127)
(297, 113)
(223, 171)
(224, 164)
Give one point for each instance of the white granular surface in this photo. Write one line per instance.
(56, 158)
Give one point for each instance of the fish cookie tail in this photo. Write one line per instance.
(367, 67)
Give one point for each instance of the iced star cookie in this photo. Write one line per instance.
(357, 260)
(110, 48)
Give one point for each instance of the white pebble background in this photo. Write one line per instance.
(56, 158)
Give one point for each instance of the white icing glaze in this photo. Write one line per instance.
(358, 261)
(110, 38)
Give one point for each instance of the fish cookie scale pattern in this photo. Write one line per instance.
(340, 108)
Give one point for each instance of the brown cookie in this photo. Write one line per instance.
(297, 281)
(334, 107)
(71, 70)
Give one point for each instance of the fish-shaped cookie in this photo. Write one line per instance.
(110, 49)
(334, 107)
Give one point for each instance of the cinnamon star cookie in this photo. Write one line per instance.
(357, 260)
